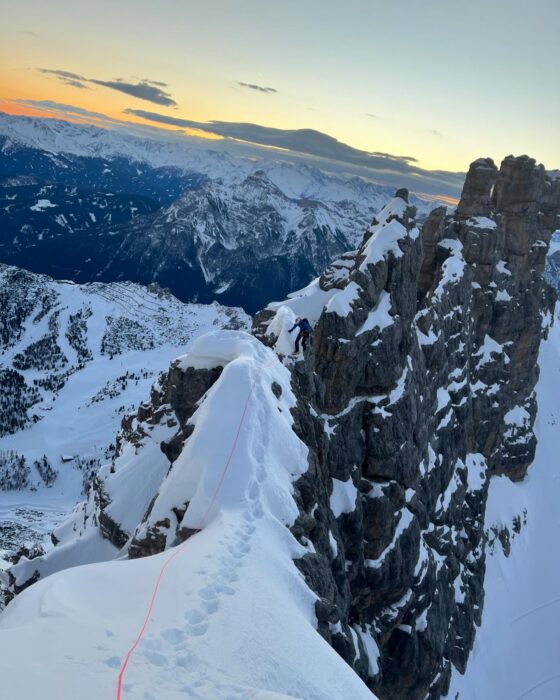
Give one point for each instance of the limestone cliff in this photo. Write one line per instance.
(418, 388)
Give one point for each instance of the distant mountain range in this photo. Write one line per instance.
(90, 204)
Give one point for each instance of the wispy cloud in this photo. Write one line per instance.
(65, 110)
(75, 83)
(163, 118)
(148, 90)
(142, 90)
(27, 32)
(390, 156)
(72, 79)
(154, 82)
(371, 116)
(258, 88)
(61, 73)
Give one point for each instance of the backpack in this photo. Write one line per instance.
(305, 325)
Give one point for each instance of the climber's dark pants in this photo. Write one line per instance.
(303, 336)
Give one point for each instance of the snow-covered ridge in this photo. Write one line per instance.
(202, 640)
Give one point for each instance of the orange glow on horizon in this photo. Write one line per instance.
(452, 201)
(17, 109)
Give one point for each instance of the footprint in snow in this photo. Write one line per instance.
(173, 636)
(209, 606)
(241, 548)
(242, 535)
(187, 660)
(155, 658)
(254, 491)
(151, 643)
(113, 662)
(208, 593)
(194, 617)
(224, 577)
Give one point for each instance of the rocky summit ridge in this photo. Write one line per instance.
(418, 387)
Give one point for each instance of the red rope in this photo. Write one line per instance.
(179, 549)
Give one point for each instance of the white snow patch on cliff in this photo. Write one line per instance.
(42, 204)
(380, 317)
(482, 222)
(343, 497)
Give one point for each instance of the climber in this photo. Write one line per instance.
(304, 333)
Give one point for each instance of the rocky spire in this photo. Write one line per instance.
(477, 190)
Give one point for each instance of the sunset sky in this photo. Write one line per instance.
(441, 81)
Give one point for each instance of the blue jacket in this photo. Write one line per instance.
(304, 325)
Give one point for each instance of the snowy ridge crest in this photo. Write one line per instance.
(232, 386)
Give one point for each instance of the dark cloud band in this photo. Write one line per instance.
(142, 90)
(385, 168)
(400, 169)
(148, 90)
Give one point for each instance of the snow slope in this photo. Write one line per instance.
(517, 649)
(128, 334)
(233, 617)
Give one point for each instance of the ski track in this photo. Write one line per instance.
(534, 610)
(527, 692)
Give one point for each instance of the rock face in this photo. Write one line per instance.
(242, 243)
(417, 389)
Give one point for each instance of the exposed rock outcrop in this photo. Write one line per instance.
(421, 386)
